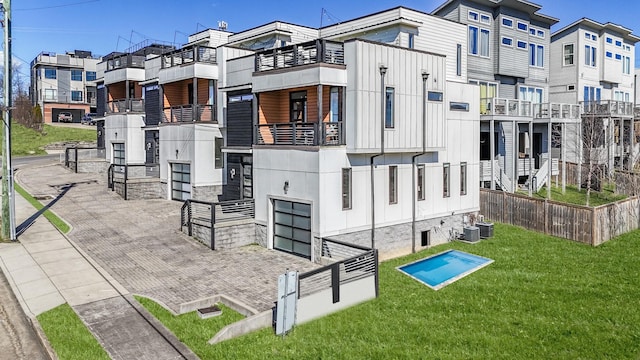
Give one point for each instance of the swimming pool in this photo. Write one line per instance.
(442, 269)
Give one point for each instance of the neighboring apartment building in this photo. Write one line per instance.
(593, 63)
(64, 83)
(367, 126)
(508, 58)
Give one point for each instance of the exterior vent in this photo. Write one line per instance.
(471, 233)
(486, 229)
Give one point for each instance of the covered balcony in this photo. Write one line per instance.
(501, 107)
(313, 52)
(189, 100)
(189, 55)
(125, 61)
(124, 97)
(284, 118)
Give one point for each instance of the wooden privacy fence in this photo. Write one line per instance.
(588, 225)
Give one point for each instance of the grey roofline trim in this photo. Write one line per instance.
(495, 3)
(626, 33)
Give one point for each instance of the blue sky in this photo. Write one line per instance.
(102, 26)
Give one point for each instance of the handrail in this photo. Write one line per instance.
(518, 107)
(294, 133)
(125, 105)
(188, 55)
(607, 107)
(189, 113)
(312, 52)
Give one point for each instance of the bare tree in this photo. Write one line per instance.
(594, 153)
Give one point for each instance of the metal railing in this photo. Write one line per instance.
(123, 173)
(607, 108)
(340, 250)
(313, 52)
(515, 107)
(73, 154)
(208, 214)
(125, 105)
(310, 134)
(189, 113)
(333, 276)
(189, 55)
(125, 61)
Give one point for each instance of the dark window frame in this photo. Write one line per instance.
(218, 158)
(298, 106)
(74, 95)
(50, 73)
(421, 182)
(389, 107)
(175, 171)
(347, 181)
(76, 75)
(463, 178)
(446, 180)
(393, 184)
(90, 76)
(435, 96)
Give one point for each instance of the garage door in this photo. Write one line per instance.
(292, 228)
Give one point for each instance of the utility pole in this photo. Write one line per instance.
(8, 203)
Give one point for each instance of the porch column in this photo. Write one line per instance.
(531, 160)
(320, 103)
(549, 159)
(516, 155)
(319, 138)
(161, 102)
(194, 108)
(610, 145)
(563, 148)
(491, 152)
(107, 106)
(127, 86)
(256, 119)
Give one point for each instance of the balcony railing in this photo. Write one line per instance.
(309, 134)
(313, 52)
(125, 61)
(188, 55)
(189, 113)
(607, 108)
(125, 105)
(515, 107)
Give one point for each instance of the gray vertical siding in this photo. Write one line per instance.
(64, 85)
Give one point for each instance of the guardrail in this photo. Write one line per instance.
(189, 113)
(313, 52)
(73, 154)
(125, 105)
(310, 134)
(516, 107)
(125, 61)
(607, 107)
(188, 55)
(123, 173)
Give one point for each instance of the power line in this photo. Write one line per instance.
(56, 6)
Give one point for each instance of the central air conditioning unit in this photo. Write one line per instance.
(486, 229)
(471, 233)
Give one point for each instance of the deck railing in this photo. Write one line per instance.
(125, 105)
(515, 107)
(313, 52)
(607, 108)
(125, 61)
(294, 133)
(189, 113)
(189, 55)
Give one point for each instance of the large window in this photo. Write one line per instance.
(459, 60)
(626, 65)
(50, 74)
(76, 95)
(50, 94)
(218, 158)
(90, 75)
(335, 104)
(389, 122)
(568, 54)
(536, 55)
(76, 75)
(592, 94)
(478, 41)
(118, 156)
(180, 181)
(446, 180)
(298, 106)
(421, 182)
(346, 188)
(463, 178)
(488, 91)
(590, 55)
(530, 93)
(393, 184)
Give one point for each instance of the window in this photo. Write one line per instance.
(459, 60)
(463, 178)
(530, 93)
(446, 172)
(50, 94)
(434, 96)
(608, 54)
(346, 188)
(522, 45)
(473, 15)
(485, 19)
(118, 156)
(568, 54)
(522, 26)
(507, 22)
(488, 91)
(536, 55)
(618, 57)
(76, 75)
(507, 41)
(618, 43)
(609, 40)
(393, 184)
(589, 55)
(411, 39)
(592, 94)
(540, 33)
(90, 75)
(425, 238)
(76, 95)
(459, 106)
(180, 181)
(218, 158)
(50, 74)
(298, 106)
(335, 104)
(587, 36)
(478, 41)
(626, 65)
(571, 87)
(532, 31)
(593, 37)
(389, 108)
(421, 182)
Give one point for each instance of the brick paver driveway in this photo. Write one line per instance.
(139, 243)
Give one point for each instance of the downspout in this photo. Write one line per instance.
(383, 72)
(414, 201)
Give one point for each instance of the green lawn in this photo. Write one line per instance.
(68, 336)
(573, 196)
(53, 218)
(25, 141)
(542, 298)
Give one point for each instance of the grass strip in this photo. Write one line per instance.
(25, 141)
(579, 197)
(53, 218)
(190, 329)
(68, 336)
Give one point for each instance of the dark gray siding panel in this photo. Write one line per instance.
(100, 105)
(152, 106)
(64, 85)
(239, 123)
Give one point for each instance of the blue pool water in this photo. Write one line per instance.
(442, 269)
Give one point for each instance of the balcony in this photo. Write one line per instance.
(301, 134)
(189, 55)
(522, 108)
(607, 108)
(125, 61)
(313, 52)
(189, 113)
(125, 106)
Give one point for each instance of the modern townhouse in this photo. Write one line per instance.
(366, 132)
(508, 57)
(593, 63)
(64, 85)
